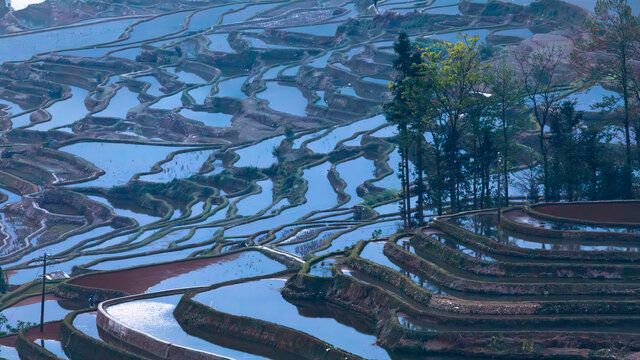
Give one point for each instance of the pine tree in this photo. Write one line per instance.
(397, 113)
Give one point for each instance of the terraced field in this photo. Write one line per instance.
(197, 159)
(515, 290)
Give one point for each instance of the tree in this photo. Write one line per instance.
(276, 153)
(482, 142)
(636, 93)
(454, 76)
(540, 82)
(567, 172)
(417, 136)
(506, 94)
(4, 286)
(289, 132)
(591, 151)
(613, 33)
(436, 190)
(20, 326)
(3, 323)
(527, 179)
(417, 95)
(487, 158)
(397, 113)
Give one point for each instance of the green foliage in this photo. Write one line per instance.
(287, 180)
(527, 345)
(398, 112)
(288, 131)
(379, 197)
(448, 86)
(275, 151)
(455, 114)
(55, 92)
(20, 325)
(250, 172)
(3, 323)
(4, 286)
(440, 90)
(496, 342)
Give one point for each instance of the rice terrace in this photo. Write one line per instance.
(319, 179)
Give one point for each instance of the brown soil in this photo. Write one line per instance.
(62, 209)
(604, 212)
(8, 340)
(136, 281)
(51, 332)
(34, 299)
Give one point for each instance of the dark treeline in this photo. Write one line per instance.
(465, 120)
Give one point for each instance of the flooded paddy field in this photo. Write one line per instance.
(232, 160)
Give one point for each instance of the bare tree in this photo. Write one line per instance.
(506, 95)
(527, 180)
(608, 53)
(541, 79)
(635, 79)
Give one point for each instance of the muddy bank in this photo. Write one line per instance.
(614, 212)
(28, 348)
(491, 246)
(138, 280)
(430, 248)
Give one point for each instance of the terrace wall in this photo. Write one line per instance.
(448, 280)
(619, 212)
(430, 248)
(490, 245)
(140, 342)
(82, 346)
(370, 301)
(29, 350)
(207, 323)
(148, 345)
(508, 223)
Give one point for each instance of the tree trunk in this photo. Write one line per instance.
(482, 183)
(475, 169)
(403, 200)
(454, 172)
(506, 155)
(545, 164)
(438, 183)
(408, 182)
(404, 151)
(637, 122)
(627, 134)
(420, 186)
